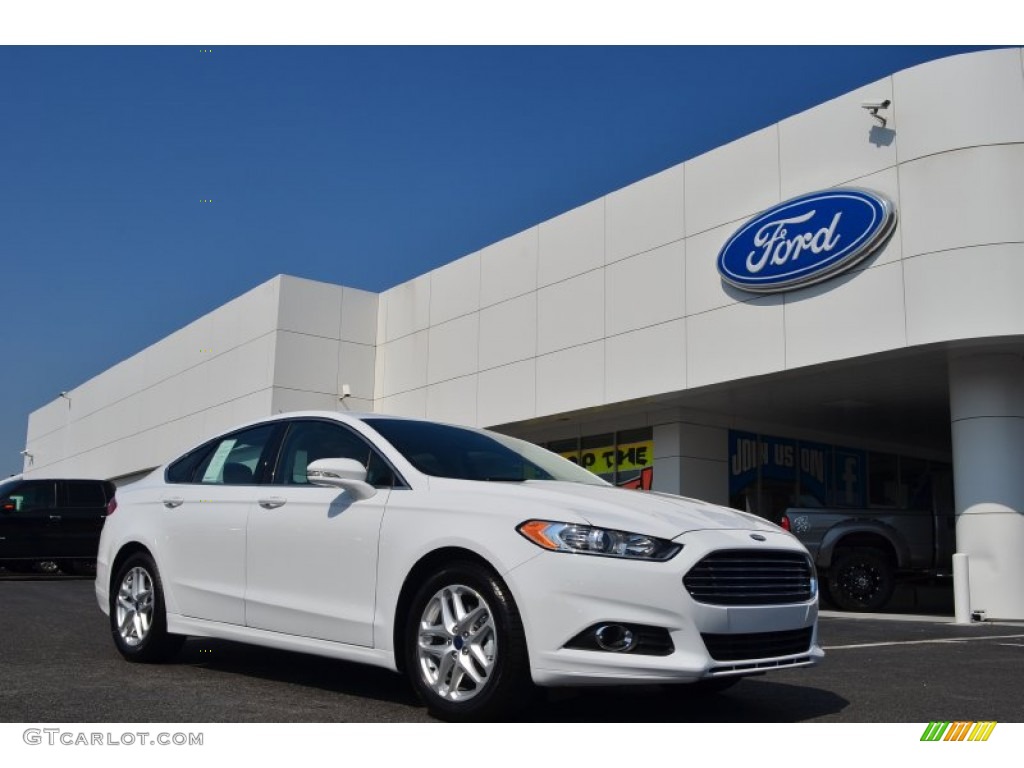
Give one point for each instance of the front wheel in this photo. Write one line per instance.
(465, 650)
(138, 618)
(861, 579)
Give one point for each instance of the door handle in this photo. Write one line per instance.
(273, 502)
(55, 518)
(174, 501)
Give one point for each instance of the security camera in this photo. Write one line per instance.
(23, 453)
(875, 104)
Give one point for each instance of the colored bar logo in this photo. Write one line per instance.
(958, 731)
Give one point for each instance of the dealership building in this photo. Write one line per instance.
(826, 312)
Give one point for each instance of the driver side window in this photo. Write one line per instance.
(308, 441)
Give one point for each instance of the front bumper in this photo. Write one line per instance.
(569, 593)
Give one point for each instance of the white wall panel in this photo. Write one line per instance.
(734, 342)
(968, 197)
(571, 312)
(405, 364)
(645, 289)
(509, 267)
(407, 308)
(571, 244)
(704, 287)
(836, 142)
(855, 314)
(192, 390)
(455, 289)
(960, 101)
(242, 370)
(286, 400)
(507, 394)
(359, 316)
(217, 419)
(453, 349)
(570, 379)
(253, 406)
(645, 215)
(356, 367)
(646, 362)
(508, 331)
(306, 362)
(732, 182)
(310, 307)
(965, 293)
(453, 401)
(412, 404)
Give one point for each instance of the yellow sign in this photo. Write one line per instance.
(606, 459)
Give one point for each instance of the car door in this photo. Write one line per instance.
(82, 510)
(311, 560)
(25, 524)
(204, 511)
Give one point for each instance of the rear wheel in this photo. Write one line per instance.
(861, 579)
(465, 650)
(138, 618)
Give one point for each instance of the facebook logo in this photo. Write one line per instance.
(848, 478)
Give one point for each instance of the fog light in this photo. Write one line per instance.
(615, 637)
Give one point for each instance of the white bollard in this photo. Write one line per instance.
(961, 589)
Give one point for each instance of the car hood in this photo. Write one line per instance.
(651, 513)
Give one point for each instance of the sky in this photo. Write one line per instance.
(142, 187)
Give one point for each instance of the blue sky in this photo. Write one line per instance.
(364, 166)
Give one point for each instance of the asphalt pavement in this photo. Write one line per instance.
(58, 664)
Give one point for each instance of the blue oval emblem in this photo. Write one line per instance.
(806, 240)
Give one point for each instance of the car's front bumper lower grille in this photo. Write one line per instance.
(758, 645)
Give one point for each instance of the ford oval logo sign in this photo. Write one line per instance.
(806, 240)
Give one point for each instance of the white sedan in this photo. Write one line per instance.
(476, 563)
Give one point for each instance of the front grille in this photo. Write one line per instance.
(758, 645)
(751, 577)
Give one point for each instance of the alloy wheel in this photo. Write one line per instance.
(457, 643)
(135, 606)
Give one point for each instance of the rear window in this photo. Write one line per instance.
(83, 493)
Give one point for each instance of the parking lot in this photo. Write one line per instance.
(59, 665)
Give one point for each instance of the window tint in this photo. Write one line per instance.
(235, 459)
(183, 470)
(84, 494)
(447, 451)
(34, 495)
(308, 441)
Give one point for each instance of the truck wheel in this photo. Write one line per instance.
(861, 579)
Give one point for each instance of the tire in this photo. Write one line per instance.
(138, 617)
(861, 579)
(465, 650)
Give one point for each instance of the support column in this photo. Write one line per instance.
(986, 397)
(691, 460)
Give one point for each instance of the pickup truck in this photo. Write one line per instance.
(861, 553)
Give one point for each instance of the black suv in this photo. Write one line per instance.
(50, 522)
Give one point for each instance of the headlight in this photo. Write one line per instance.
(587, 540)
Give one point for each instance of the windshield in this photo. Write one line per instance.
(468, 454)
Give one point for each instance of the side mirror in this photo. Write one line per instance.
(346, 474)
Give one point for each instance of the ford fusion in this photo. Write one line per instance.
(476, 564)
